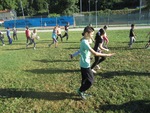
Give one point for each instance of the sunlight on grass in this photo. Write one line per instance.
(46, 79)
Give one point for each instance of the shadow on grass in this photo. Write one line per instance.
(51, 71)
(46, 61)
(77, 48)
(135, 42)
(16, 49)
(111, 74)
(64, 41)
(124, 48)
(138, 106)
(53, 96)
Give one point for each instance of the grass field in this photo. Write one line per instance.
(45, 80)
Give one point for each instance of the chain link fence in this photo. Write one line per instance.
(113, 19)
(98, 20)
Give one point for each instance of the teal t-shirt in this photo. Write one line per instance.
(85, 54)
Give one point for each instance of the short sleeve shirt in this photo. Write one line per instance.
(85, 54)
(66, 28)
(131, 33)
(98, 41)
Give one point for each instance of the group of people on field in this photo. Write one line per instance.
(56, 33)
(31, 36)
(8, 36)
(100, 44)
(87, 70)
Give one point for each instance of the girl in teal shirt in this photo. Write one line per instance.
(86, 72)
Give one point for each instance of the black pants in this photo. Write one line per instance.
(98, 60)
(87, 79)
(59, 36)
(66, 34)
(32, 42)
(15, 37)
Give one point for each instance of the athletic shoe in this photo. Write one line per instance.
(49, 45)
(87, 95)
(71, 57)
(26, 45)
(3, 44)
(94, 71)
(34, 48)
(81, 94)
(97, 66)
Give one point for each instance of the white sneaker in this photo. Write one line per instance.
(34, 48)
(26, 45)
(97, 66)
(3, 44)
(94, 71)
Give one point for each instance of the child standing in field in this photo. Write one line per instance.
(33, 37)
(98, 47)
(2, 38)
(105, 37)
(15, 34)
(59, 33)
(86, 72)
(28, 36)
(54, 35)
(132, 36)
(66, 31)
(9, 36)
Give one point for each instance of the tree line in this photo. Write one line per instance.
(65, 7)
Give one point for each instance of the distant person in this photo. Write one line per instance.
(45, 24)
(59, 33)
(9, 35)
(54, 36)
(105, 37)
(66, 31)
(28, 35)
(86, 72)
(33, 37)
(98, 47)
(90, 25)
(132, 36)
(2, 38)
(15, 34)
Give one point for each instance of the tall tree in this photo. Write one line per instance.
(148, 3)
(65, 7)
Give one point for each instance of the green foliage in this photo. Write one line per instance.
(65, 7)
(53, 15)
(45, 80)
(148, 3)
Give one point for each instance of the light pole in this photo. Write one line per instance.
(80, 6)
(89, 4)
(22, 8)
(140, 9)
(96, 12)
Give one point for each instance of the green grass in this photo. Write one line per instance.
(45, 80)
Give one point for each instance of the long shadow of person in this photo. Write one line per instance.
(111, 74)
(137, 106)
(52, 96)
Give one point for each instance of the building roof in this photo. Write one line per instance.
(4, 11)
